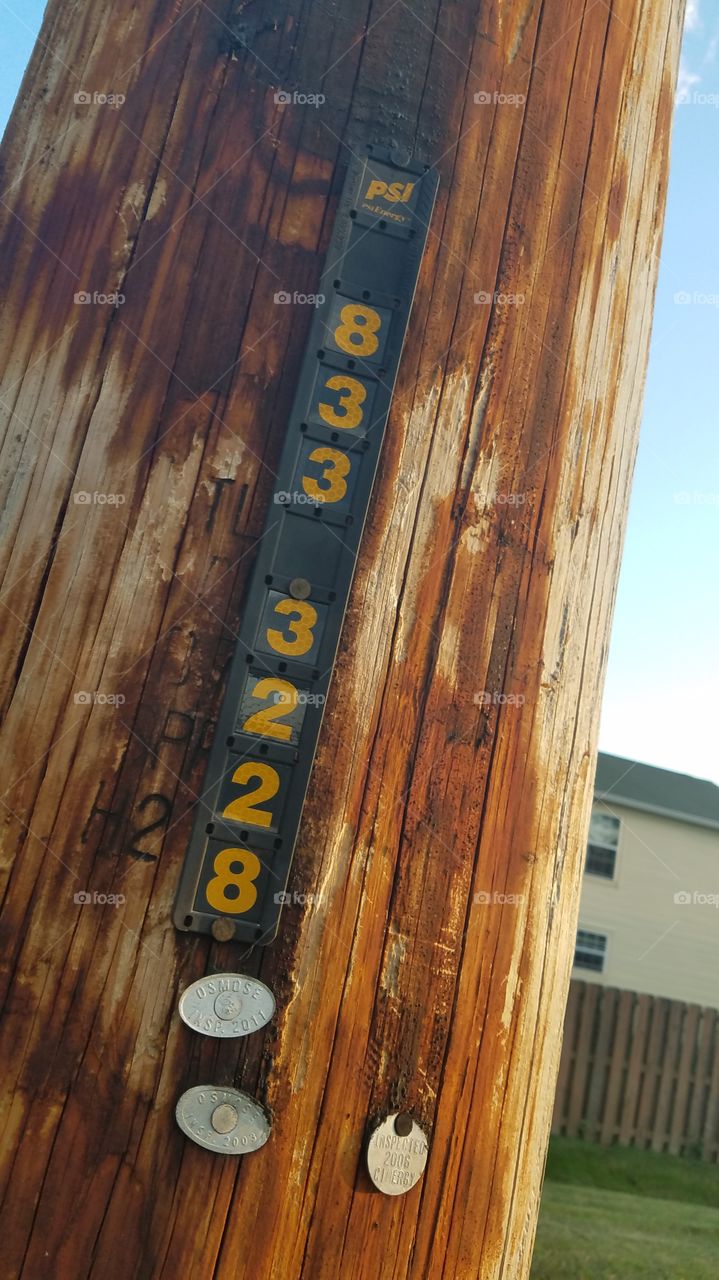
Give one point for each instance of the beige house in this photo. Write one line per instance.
(649, 913)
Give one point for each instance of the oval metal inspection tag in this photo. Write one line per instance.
(396, 1154)
(222, 1120)
(226, 1005)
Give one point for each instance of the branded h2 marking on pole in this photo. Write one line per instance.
(238, 860)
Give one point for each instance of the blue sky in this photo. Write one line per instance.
(661, 702)
(19, 24)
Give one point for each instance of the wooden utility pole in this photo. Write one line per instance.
(443, 833)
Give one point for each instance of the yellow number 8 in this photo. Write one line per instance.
(361, 323)
(216, 891)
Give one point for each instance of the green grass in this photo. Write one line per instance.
(614, 1213)
(586, 1233)
(639, 1173)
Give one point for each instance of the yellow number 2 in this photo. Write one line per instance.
(263, 721)
(245, 808)
(305, 617)
(351, 402)
(333, 476)
(357, 334)
(226, 875)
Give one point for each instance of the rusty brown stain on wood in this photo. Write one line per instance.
(457, 752)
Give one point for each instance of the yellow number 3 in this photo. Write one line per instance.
(305, 617)
(350, 403)
(358, 332)
(242, 880)
(332, 475)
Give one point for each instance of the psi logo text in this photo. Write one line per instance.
(388, 198)
(395, 192)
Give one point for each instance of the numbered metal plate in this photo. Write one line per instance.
(226, 1121)
(396, 1154)
(226, 1005)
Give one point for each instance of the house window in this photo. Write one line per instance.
(590, 951)
(602, 847)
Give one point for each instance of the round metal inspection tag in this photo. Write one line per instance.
(225, 1005)
(222, 1120)
(396, 1154)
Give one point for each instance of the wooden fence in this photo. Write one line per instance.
(640, 1071)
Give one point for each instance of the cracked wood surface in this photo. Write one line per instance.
(448, 807)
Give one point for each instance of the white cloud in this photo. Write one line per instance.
(685, 84)
(691, 17)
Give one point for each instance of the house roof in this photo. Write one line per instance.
(641, 786)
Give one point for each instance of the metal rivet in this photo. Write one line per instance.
(228, 1006)
(400, 157)
(223, 930)
(403, 1124)
(300, 588)
(224, 1118)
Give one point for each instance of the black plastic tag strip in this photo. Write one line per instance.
(238, 860)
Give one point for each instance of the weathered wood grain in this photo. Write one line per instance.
(700, 1099)
(488, 569)
(618, 1080)
(651, 1075)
